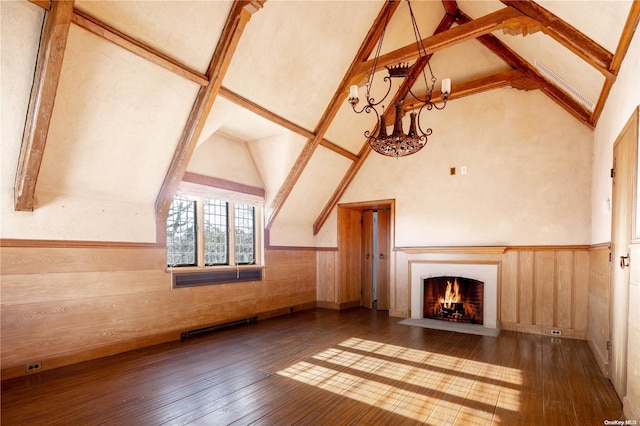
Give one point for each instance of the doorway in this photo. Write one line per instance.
(364, 245)
(375, 263)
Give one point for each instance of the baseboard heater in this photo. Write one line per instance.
(214, 328)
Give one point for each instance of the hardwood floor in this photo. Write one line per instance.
(356, 367)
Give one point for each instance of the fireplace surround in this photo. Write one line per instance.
(487, 273)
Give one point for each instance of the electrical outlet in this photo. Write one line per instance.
(555, 340)
(33, 367)
(556, 332)
(452, 171)
(463, 170)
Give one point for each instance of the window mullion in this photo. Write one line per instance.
(200, 232)
(232, 233)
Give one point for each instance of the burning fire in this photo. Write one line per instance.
(451, 295)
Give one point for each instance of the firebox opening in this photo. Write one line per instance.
(456, 299)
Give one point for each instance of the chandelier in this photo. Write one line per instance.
(398, 143)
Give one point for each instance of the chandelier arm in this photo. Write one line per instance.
(429, 131)
(439, 108)
(372, 102)
(368, 108)
(426, 100)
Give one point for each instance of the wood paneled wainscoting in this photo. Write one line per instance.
(598, 327)
(539, 287)
(66, 302)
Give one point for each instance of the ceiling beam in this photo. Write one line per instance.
(329, 114)
(451, 7)
(108, 33)
(565, 34)
(517, 62)
(53, 42)
(101, 29)
(281, 121)
(339, 150)
(264, 113)
(416, 69)
(630, 28)
(463, 32)
(508, 79)
(239, 16)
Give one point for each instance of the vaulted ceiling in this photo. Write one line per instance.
(130, 95)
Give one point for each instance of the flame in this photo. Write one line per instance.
(451, 295)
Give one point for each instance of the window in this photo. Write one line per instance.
(245, 234)
(181, 232)
(216, 232)
(210, 232)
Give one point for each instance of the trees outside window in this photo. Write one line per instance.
(203, 232)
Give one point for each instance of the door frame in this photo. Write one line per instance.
(347, 242)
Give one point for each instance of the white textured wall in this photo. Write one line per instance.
(528, 176)
(623, 99)
(225, 158)
(103, 166)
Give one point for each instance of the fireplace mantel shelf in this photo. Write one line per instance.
(465, 250)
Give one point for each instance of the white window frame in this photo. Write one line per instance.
(258, 217)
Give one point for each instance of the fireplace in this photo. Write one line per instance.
(452, 298)
(484, 272)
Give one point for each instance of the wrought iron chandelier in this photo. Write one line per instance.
(398, 143)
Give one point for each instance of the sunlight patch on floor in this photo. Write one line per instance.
(417, 384)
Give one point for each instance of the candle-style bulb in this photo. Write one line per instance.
(446, 86)
(353, 91)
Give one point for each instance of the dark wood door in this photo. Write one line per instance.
(384, 247)
(368, 256)
(350, 252)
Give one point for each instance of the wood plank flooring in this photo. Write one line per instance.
(324, 367)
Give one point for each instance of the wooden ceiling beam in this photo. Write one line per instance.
(508, 79)
(451, 7)
(329, 114)
(517, 62)
(630, 28)
(101, 29)
(118, 38)
(281, 121)
(53, 42)
(338, 150)
(239, 16)
(587, 49)
(264, 113)
(467, 31)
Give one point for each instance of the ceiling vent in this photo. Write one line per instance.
(572, 91)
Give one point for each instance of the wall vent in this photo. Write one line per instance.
(572, 91)
(190, 279)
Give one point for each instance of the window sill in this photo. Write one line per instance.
(191, 269)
